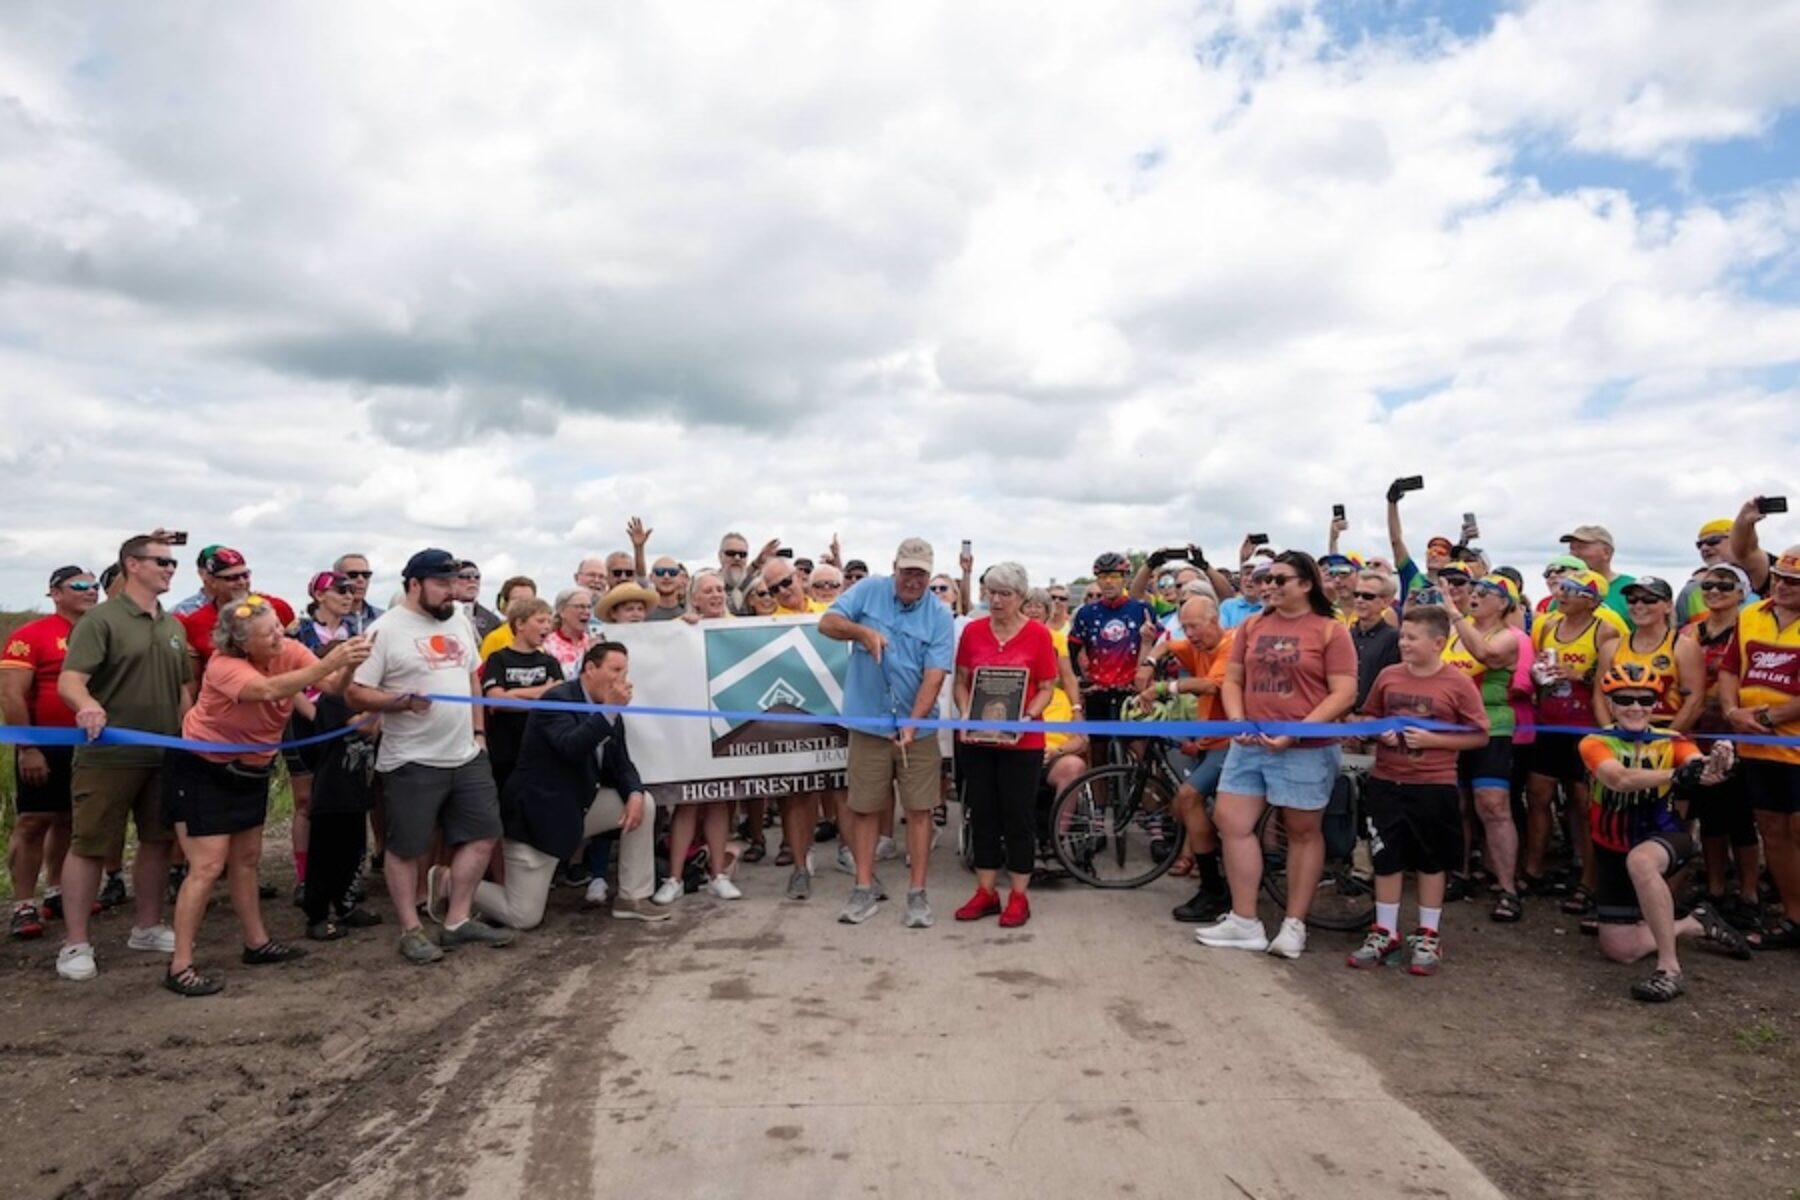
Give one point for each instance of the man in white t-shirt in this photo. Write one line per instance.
(432, 757)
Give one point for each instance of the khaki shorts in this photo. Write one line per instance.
(102, 799)
(876, 766)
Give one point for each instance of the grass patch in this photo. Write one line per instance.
(1760, 1035)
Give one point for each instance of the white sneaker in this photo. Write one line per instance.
(721, 888)
(1291, 940)
(1232, 932)
(667, 892)
(885, 849)
(76, 962)
(596, 893)
(846, 862)
(158, 939)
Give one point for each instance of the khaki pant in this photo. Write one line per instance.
(519, 904)
(878, 765)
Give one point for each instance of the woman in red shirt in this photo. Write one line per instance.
(217, 801)
(1000, 770)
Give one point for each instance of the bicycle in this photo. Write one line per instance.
(1114, 825)
(1345, 900)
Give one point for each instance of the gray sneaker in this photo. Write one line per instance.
(918, 910)
(799, 885)
(881, 893)
(417, 948)
(475, 933)
(859, 907)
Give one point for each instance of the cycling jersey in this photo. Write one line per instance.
(1568, 701)
(1767, 664)
(1110, 637)
(1658, 660)
(1494, 684)
(1621, 820)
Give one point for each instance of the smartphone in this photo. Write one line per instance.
(1412, 483)
(179, 537)
(1771, 504)
(1337, 512)
(1258, 539)
(1429, 595)
(967, 548)
(785, 552)
(1471, 531)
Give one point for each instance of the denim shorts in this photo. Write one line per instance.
(1205, 776)
(1301, 777)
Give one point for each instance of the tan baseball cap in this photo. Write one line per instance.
(1590, 533)
(914, 554)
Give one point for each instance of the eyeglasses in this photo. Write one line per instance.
(469, 576)
(1278, 580)
(359, 574)
(827, 585)
(665, 572)
(167, 564)
(735, 553)
(941, 588)
(1368, 595)
(1632, 700)
(1059, 598)
(1714, 540)
(81, 585)
(1718, 585)
(248, 607)
(624, 573)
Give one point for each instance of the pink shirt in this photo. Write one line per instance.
(218, 715)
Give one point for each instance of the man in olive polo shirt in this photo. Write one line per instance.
(127, 666)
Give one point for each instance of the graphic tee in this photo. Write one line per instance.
(1287, 664)
(1110, 636)
(40, 647)
(420, 655)
(511, 668)
(1446, 695)
(1766, 659)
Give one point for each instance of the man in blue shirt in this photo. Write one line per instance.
(1252, 589)
(903, 646)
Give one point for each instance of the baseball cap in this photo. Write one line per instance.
(221, 558)
(1340, 561)
(1788, 564)
(1261, 566)
(1440, 541)
(324, 581)
(1588, 581)
(1504, 585)
(1455, 568)
(1567, 562)
(857, 564)
(1590, 533)
(62, 575)
(1649, 583)
(205, 552)
(914, 554)
(431, 564)
(1714, 528)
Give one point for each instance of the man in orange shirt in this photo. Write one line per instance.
(1202, 652)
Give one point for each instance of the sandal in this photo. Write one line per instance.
(272, 952)
(1507, 909)
(785, 856)
(1184, 866)
(189, 982)
(1718, 932)
(1590, 926)
(326, 931)
(756, 851)
(1579, 903)
(1661, 986)
(1457, 887)
(1784, 936)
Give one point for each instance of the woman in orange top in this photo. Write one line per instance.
(217, 802)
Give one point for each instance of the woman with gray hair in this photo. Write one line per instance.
(1000, 770)
(566, 643)
(217, 802)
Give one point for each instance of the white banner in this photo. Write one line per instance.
(749, 664)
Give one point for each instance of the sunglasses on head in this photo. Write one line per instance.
(359, 574)
(1632, 700)
(249, 606)
(1718, 585)
(666, 572)
(159, 560)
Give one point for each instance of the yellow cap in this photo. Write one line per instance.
(1714, 528)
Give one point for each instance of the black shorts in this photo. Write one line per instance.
(1413, 826)
(1723, 811)
(213, 799)
(301, 760)
(52, 795)
(1558, 755)
(1773, 786)
(420, 799)
(1615, 900)
(1488, 766)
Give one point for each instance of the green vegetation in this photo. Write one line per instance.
(1760, 1034)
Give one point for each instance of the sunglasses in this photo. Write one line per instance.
(1455, 581)
(80, 585)
(735, 553)
(1711, 541)
(1489, 589)
(624, 573)
(1340, 572)
(665, 572)
(783, 584)
(234, 577)
(1278, 580)
(760, 595)
(827, 585)
(359, 574)
(941, 588)
(1790, 580)
(1576, 589)
(1642, 598)
(1718, 585)
(1368, 595)
(469, 576)
(166, 563)
(1059, 599)
(343, 589)
(1110, 575)
(1632, 700)
(1554, 572)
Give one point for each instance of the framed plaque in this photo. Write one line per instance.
(996, 694)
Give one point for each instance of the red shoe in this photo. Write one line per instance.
(1018, 911)
(982, 904)
(28, 923)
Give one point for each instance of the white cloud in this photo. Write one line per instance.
(1052, 277)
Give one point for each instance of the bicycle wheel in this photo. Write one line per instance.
(1344, 901)
(1115, 827)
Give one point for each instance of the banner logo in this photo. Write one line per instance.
(775, 669)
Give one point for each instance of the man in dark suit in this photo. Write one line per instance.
(575, 780)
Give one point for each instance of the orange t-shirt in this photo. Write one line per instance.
(1288, 663)
(218, 716)
(1206, 664)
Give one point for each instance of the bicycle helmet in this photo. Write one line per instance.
(1112, 561)
(1633, 677)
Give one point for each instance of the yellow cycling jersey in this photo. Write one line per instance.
(1660, 661)
(1767, 665)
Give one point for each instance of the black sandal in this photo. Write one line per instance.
(1784, 936)
(1507, 909)
(1660, 987)
(272, 952)
(189, 982)
(756, 851)
(326, 931)
(1718, 932)
(1580, 901)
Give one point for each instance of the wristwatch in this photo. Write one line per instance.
(1763, 718)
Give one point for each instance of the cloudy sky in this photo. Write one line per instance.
(1056, 277)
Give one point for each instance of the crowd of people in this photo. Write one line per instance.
(1660, 721)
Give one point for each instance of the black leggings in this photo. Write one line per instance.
(331, 859)
(1000, 788)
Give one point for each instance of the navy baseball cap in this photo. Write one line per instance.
(432, 564)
